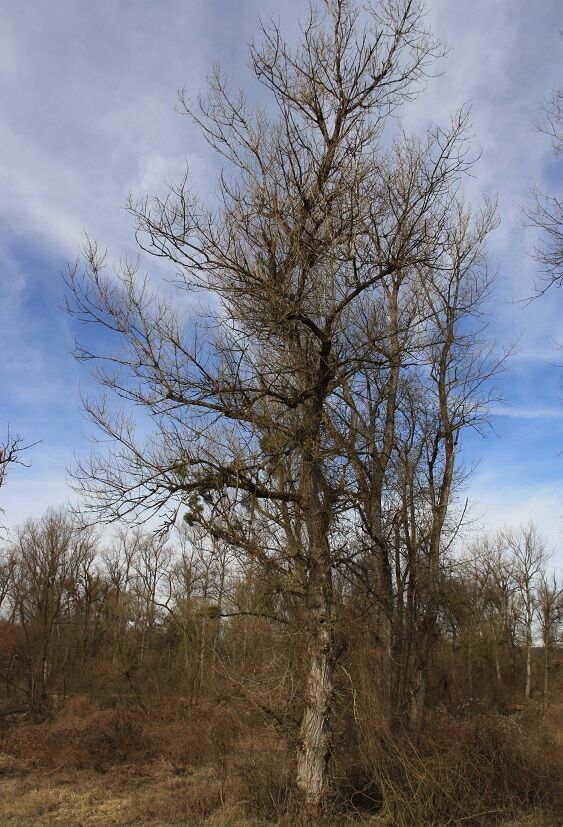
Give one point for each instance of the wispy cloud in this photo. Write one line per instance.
(528, 413)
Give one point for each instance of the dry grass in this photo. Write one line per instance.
(111, 767)
(151, 794)
(90, 766)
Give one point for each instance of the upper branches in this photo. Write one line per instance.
(546, 211)
(322, 232)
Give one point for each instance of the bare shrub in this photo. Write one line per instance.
(260, 780)
(204, 736)
(179, 801)
(480, 770)
(80, 738)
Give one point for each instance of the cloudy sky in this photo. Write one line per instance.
(88, 93)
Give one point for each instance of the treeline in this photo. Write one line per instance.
(143, 619)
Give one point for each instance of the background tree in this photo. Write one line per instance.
(493, 568)
(48, 555)
(530, 557)
(550, 612)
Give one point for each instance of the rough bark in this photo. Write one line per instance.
(313, 776)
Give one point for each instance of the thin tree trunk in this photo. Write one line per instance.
(528, 664)
(497, 666)
(417, 697)
(384, 630)
(545, 676)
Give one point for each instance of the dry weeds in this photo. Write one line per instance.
(151, 794)
(481, 771)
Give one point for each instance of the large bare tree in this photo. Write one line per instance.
(322, 221)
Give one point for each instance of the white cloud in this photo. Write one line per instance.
(528, 413)
(515, 503)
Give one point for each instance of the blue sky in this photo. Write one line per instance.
(88, 92)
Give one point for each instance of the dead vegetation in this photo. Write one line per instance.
(477, 770)
(90, 766)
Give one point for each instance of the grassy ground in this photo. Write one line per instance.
(150, 794)
(142, 797)
(147, 792)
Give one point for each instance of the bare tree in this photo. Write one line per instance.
(318, 220)
(48, 555)
(546, 211)
(426, 380)
(199, 585)
(6, 579)
(11, 453)
(150, 565)
(529, 554)
(550, 611)
(493, 569)
(454, 396)
(117, 561)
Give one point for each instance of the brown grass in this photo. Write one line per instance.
(90, 766)
(80, 736)
(151, 794)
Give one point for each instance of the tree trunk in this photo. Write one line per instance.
(383, 658)
(528, 664)
(497, 666)
(423, 644)
(427, 634)
(313, 777)
(315, 735)
(545, 675)
(470, 665)
(417, 697)
(38, 681)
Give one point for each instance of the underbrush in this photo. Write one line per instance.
(79, 736)
(478, 770)
(207, 766)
